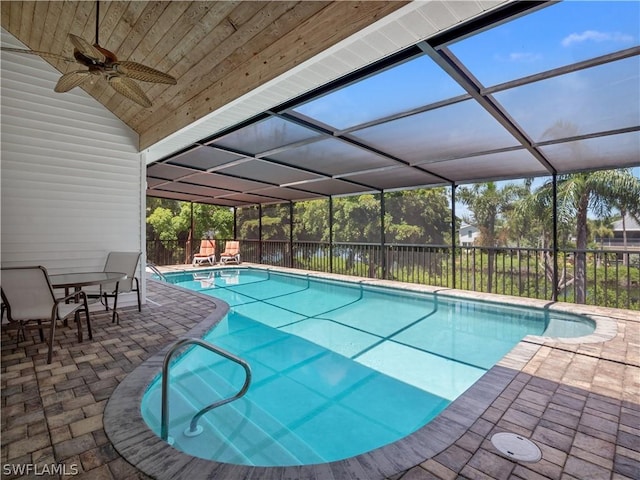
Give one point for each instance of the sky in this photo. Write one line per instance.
(552, 37)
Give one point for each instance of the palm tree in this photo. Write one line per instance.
(487, 202)
(627, 202)
(599, 229)
(580, 193)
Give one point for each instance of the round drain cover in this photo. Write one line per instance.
(516, 447)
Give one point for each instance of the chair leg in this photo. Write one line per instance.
(52, 332)
(106, 301)
(138, 293)
(115, 314)
(21, 333)
(40, 330)
(76, 317)
(86, 313)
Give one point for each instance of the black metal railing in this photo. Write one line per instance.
(604, 277)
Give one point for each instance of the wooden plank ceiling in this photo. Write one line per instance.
(217, 51)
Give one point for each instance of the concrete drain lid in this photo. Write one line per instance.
(516, 447)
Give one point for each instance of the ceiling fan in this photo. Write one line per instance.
(101, 62)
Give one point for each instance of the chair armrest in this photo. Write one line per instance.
(71, 296)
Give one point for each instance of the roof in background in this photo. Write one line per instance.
(630, 223)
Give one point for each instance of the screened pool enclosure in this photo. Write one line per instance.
(529, 90)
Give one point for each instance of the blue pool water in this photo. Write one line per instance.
(338, 368)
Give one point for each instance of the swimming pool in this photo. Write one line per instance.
(339, 368)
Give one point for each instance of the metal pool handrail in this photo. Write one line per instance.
(194, 429)
(154, 269)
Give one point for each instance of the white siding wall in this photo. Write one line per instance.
(72, 179)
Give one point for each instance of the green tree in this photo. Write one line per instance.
(311, 221)
(164, 223)
(486, 202)
(420, 216)
(581, 193)
(357, 219)
(173, 221)
(599, 229)
(276, 222)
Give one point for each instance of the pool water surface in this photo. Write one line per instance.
(338, 368)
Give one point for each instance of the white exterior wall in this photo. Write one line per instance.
(72, 179)
(467, 235)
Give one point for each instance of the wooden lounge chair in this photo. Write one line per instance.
(231, 253)
(31, 304)
(207, 253)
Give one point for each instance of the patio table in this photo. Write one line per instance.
(77, 280)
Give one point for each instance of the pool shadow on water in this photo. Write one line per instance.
(306, 404)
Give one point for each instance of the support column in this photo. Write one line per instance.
(382, 236)
(235, 223)
(259, 233)
(291, 256)
(554, 190)
(192, 227)
(453, 234)
(331, 234)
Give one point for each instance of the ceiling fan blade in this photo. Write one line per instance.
(129, 89)
(71, 80)
(53, 56)
(143, 73)
(86, 49)
(109, 55)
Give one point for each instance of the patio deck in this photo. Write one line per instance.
(578, 402)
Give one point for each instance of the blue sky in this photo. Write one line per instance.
(590, 100)
(554, 36)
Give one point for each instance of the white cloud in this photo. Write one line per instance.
(518, 57)
(524, 57)
(595, 36)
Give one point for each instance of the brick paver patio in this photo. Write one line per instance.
(578, 402)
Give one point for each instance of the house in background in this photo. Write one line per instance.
(632, 228)
(467, 235)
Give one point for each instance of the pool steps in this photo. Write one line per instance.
(220, 426)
